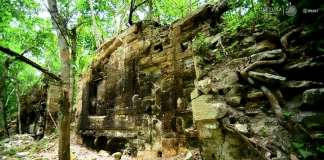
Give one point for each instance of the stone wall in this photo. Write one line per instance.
(139, 87)
(152, 89)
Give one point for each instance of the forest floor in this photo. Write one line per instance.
(25, 147)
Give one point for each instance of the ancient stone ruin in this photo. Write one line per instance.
(138, 89)
(151, 93)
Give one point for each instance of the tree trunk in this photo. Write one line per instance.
(150, 2)
(19, 110)
(73, 38)
(4, 77)
(65, 55)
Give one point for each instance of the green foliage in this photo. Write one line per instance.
(320, 148)
(287, 115)
(302, 149)
(251, 14)
(200, 44)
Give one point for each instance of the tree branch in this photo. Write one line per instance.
(59, 27)
(27, 61)
(132, 8)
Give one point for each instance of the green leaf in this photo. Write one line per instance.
(304, 153)
(320, 148)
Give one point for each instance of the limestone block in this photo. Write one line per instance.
(209, 129)
(204, 109)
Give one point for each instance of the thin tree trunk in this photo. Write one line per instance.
(73, 38)
(19, 114)
(65, 55)
(190, 6)
(150, 10)
(4, 119)
(4, 77)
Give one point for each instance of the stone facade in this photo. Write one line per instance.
(139, 87)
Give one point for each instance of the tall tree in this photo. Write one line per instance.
(60, 25)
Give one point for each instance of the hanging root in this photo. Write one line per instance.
(284, 38)
(265, 63)
(272, 98)
(273, 102)
(275, 98)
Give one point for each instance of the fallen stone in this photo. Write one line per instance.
(314, 121)
(103, 153)
(231, 78)
(313, 97)
(189, 156)
(243, 128)
(234, 90)
(248, 40)
(22, 154)
(117, 155)
(204, 85)
(233, 101)
(204, 109)
(194, 94)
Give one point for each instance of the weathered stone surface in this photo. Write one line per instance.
(243, 128)
(204, 85)
(22, 154)
(314, 97)
(204, 109)
(103, 153)
(233, 101)
(189, 156)
(117, 155)
(209, 129)
(194, 94)
(312, 120)
(248, 40)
